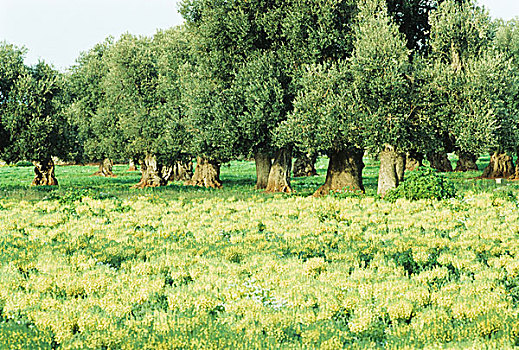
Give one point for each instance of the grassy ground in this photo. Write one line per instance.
(238, 178)
(94, 264)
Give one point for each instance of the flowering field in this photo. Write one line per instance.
(265, 271)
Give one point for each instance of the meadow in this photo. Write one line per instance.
(94, 264)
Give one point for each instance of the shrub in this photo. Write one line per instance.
(23, 163)
(423, 183)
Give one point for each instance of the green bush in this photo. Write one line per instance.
(423, 183)
(507, 195)
(23, 163)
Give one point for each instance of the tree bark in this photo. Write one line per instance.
(466, 162)
(414, 160)
(392, 167)
(44, 173)
(263, 165)
(515, 176)
(304, 165)
(153, 174)
(105, 168)
(439, 161)
(279, 176)
(400, 166)
(501, 166)
(207, 174)
(131, 166)
(344, 172)
(182, 170)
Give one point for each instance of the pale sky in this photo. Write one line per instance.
(58, 30)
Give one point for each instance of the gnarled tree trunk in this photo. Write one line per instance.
(304, 165)
(182, 171)
(392, 168)
(207, 174)
(131, 165)
(344, 172)
(414, 160)
(263, 165)
(44, 173)
(439, 161)
(153, 174)
(279, 176)
(105, 168)
(501, 166)
(466, 162)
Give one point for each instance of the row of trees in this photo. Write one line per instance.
(268, 79)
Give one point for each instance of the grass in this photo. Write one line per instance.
(180, 267)
(238, 178)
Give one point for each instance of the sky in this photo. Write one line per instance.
(59, 30)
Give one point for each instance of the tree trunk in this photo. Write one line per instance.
(466, 162)
(414, 160)
(153, 174)
(400, 166)
(279, 176)
(515, 176)
(304, 165)
(105, 168)
(391, 173)
(344, 172)
(439, 161)
(263, 165)
(182, 170)
(207, 174)
(501, 166)
(131, 165)
(44, 173)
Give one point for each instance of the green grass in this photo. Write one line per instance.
(95, 264)
(238, 179)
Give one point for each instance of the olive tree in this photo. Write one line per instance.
(148, 122)
(471, 104)
(325, 118)
(215, 28)
(172, 49)
(11, 67)
(251, 52)
(507, 44)
(97, 132)
(34, 122)
(383, 86)
(262, 87)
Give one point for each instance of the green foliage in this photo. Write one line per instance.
(97, 132)
(504, 194)
(247, 55)
(125, 98)
(11, 66)
(146, 123)
(460, 30)
(470, 87)
(423, 183)
(33, 117)
(71, 196)
(20, 336)
(507, 39)
(261, 271)
(23, 163)
(325, 116)
(382, 83)
(263, 89)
